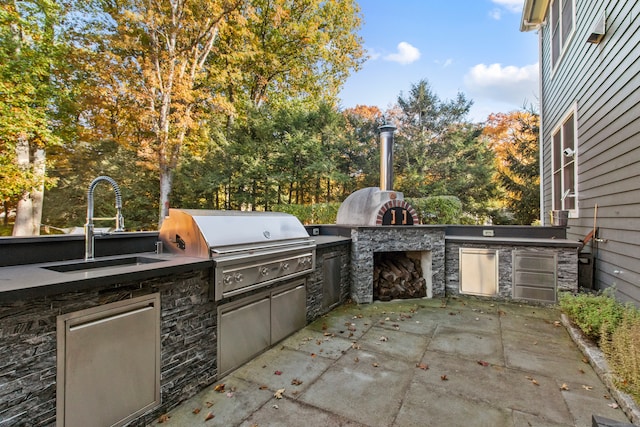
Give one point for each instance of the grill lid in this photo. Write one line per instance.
(198, 232)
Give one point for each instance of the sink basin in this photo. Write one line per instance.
(75, 267)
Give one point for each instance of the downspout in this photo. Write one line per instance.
(541, 128)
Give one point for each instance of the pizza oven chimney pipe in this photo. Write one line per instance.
(386, 156)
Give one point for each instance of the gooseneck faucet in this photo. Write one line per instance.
(89, 236)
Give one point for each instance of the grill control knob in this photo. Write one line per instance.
(285, 266)
(264, 271)
(227, 279)
(238, 277)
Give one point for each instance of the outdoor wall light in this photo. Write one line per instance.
(568, 152)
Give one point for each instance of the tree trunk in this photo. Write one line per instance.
(166, 181)
(29, 209)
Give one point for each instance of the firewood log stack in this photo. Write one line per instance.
(397, 276)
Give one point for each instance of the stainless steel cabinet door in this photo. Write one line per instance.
(288, 312)
(108, 367)
(244, 332)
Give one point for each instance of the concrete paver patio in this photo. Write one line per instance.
(422, 362)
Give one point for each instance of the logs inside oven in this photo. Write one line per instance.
(397, 276)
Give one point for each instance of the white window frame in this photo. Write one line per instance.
(563, 41)
(564, 168)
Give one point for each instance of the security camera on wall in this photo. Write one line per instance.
(568, 152)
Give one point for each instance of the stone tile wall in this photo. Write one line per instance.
(368, 240)
(567, 272)
(316, 282)
(28, 350)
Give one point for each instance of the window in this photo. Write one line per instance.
(564, 165)
(562, 19)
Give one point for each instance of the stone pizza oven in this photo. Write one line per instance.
(379, 205)
(392, 257)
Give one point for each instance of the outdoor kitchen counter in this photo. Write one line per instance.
(35, 280)
(516, 241)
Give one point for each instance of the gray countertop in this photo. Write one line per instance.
(515, 241)
(35, 280)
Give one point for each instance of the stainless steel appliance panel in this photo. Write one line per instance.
(109, 363)
(534, 275)
(478, 271)
(288, 312)
(331, 279)
(244, 331)
(237, 275)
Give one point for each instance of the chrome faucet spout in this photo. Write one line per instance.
(89, 235)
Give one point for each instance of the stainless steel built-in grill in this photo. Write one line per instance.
(260, 258)
(250, 249)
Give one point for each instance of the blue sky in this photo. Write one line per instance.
(469, 46)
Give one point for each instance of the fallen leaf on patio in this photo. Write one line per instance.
(606, 396)
(230, 394)
(564, 387)
(313, 355)
(356, 360)
(557, 323)
(355, 346)
(278, 394)
(209, 404)
(483, 363)
(163, 418)
(613, 405)
(444, 378)
(328, 334)
(319, 342)
(451, 313)
(219, 388)
(587, 387)
(375, 364)
(350, 334)
(585, 360)
(296, 381)
(422, 366)
(263, 387)
(209, 416)
(352, 328)
(196, 411)
(581, 371)
(383, 339)
(535, 382)
(277, 373)
(275, 407)
(324, 326)
(501, 313)
(387, 319)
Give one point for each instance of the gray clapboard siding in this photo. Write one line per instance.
(603, 83)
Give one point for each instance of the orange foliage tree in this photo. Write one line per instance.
(514, 139)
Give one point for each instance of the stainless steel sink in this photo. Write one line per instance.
(92, 265)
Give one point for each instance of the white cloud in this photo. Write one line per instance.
(511, 5)
(444, 64)
(495, 14)
(406, 54)
(513, 85)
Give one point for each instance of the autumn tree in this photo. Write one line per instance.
(28, 58)
(514, 140)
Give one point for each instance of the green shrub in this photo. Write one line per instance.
(320, 213)
(596, 314)
(437, 209)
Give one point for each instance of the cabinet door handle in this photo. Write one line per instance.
(109, 318)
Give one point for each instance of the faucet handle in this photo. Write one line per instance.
(119, 222)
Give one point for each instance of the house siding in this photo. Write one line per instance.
(602, 82)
